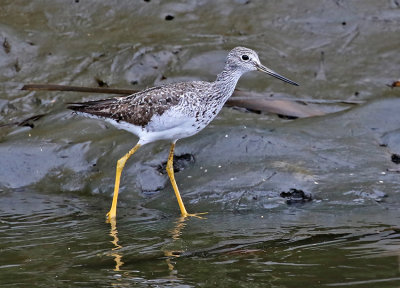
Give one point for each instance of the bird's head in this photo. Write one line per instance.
(246, 60)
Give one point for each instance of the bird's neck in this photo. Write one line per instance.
(226, 82)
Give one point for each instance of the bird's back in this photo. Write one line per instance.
(139, 108)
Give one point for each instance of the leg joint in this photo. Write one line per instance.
(121, 163)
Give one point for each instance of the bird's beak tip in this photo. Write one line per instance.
(264, 69)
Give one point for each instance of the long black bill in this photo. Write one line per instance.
(274, 74)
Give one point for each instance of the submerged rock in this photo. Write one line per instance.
(296, 196)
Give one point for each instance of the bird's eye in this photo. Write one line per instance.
(245, 57)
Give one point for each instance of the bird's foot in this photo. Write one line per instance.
(110, 217)
(197, 215)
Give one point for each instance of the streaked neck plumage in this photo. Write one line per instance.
(226, 82)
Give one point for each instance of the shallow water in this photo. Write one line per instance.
(56, 179)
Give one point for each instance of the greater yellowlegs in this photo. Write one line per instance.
(173, 111)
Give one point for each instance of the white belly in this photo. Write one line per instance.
(171, 125)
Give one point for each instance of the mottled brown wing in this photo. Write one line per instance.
(137, 108)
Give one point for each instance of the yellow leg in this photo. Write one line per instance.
(170, 171)
(120, 165)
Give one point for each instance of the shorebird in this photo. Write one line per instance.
(173, 111)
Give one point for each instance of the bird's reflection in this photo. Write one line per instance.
(176, 233)
(115, 250)
(170, 254)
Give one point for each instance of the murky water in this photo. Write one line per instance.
(56, 179)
